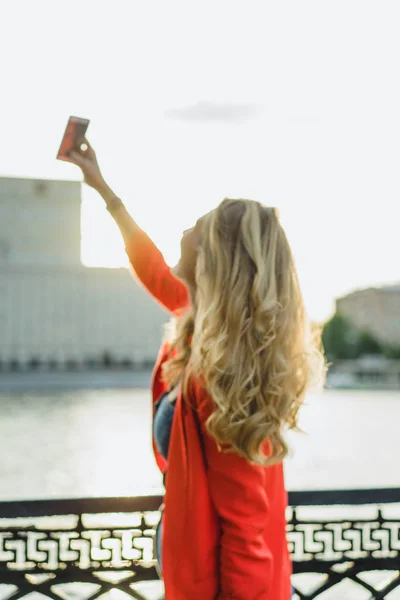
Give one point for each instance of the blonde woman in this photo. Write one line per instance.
(229, 380)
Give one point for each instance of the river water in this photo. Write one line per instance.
(97, 442)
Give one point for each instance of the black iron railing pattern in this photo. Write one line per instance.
(345, 541)
(342, 541)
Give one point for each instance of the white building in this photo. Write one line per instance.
(53, 310)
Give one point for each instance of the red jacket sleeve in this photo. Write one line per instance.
(238, 491)
(153, 272)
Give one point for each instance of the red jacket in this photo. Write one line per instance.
(224, 532)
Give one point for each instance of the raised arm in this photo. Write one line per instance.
(146, 260)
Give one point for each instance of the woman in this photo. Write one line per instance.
(228, 382)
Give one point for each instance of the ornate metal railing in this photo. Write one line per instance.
(347, 542)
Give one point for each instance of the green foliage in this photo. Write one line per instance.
(342, 341)
(339, 339)
(367, 344)
(391, 351)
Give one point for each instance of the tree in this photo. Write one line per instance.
(343, 341)
(391, 351)
(367, 344)
(339, 338)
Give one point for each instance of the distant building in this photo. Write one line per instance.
(53, 310)
(375, 310)
(40, 222)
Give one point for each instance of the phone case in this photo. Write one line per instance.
(73, 136)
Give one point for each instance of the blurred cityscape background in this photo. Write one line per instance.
(292, 104)
(57, 315)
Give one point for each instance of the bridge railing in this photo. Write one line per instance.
(343, 543)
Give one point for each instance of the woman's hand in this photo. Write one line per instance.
(86, 159)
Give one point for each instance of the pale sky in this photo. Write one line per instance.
(295, 104)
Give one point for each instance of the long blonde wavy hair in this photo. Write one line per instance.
(247, 335)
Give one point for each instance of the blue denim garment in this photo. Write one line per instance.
(162, 424)
(158, 542)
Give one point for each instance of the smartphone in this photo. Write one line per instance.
(74, 133)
